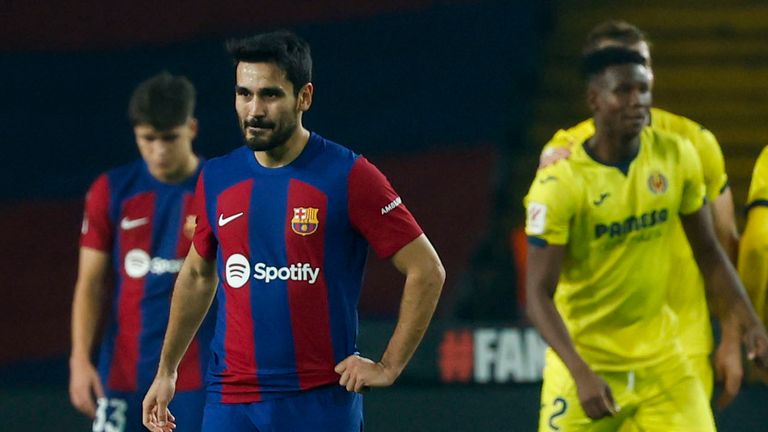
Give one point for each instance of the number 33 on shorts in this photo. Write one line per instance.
(110, 415)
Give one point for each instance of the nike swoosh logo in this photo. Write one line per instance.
(225, 220)
(129, 224)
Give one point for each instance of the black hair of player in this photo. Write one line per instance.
(618, 31)
(163, 101)
(282, 47)
(594, 63)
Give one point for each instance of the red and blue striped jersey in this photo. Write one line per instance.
(146, 226)
(290, 245)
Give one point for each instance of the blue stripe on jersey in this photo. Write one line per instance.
(275, 354)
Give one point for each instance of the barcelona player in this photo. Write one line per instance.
(139, 220)
(688, 301)
(601, 227)
(284, 224)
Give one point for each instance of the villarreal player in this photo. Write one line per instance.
(688, 300)
(601, 227)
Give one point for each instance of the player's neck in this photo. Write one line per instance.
(612, 148)
(283, 155)
(185, 171)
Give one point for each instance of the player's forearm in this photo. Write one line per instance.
(730, 295)
(420, 296)
(543, 314)
(192, 297)
(725, 224)
(86, 307)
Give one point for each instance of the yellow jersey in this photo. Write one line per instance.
(753, 254)
(618, 227)
(688, 299)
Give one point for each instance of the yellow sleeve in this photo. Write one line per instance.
(572, 136)
(693, 181)
(753, 258)
(712, 162)
(550, 204)
(758, 187)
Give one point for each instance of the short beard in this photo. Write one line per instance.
(279, 137)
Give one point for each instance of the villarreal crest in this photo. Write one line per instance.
(304, 220)
(657, 183)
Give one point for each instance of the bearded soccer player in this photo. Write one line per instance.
(601, 227)
(139, 220)
(285, 222)
(688, 301)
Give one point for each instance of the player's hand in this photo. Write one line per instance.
(595, 396)
(756, 342)
(154, 410)
(358, 373)
(84, 386)
(552, 155)
(728, 369)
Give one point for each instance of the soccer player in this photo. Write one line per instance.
(688, 300)
(753, 251)
(285, 222)
(601, 228)
(139, 220)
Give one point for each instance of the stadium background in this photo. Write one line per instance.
(451, 98)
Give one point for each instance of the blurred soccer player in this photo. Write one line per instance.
(601, 228)
(285, 221)
(139, 220)
(753, 254)
(688, 300)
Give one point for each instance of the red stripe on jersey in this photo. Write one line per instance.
(310, 318)
(96, 231)
(190, 368)
(239, 375)
(135, 227)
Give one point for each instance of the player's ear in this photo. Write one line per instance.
(592, 94)
(304, 99)
(193, 126)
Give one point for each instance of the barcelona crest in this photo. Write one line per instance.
(657, 183)
(304, 220)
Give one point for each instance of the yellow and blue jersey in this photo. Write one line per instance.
(618, 226)
(688, 299)
(753, 254)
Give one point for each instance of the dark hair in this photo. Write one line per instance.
(163, 101)
(616, 31)
(284, 48)
(596, 62)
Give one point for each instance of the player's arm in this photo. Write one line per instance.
(542, 273)
(424, 278)
(723, 284)
(84, 381)
(728, 366)
(192, 296)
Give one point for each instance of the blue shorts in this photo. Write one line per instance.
(121, 411)
(325, 409)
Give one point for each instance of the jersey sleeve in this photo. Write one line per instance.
(758, 186)
(693, 193)
(97, 231)
(204, 241)
(712, 161)
(377, 212)
(550, 205)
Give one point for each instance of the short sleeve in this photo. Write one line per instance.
(712, 162)
(692, 178)
(550, 205)
(758, 187)
(377, 212)
(204, 241)
(97, 230)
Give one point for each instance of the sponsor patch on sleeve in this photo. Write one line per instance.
(536, 218)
